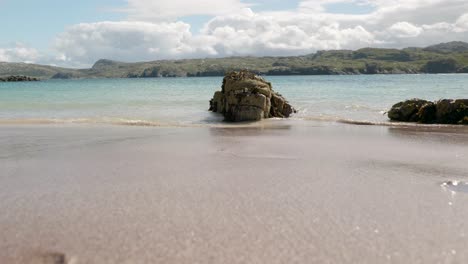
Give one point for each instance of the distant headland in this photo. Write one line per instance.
(451, 57)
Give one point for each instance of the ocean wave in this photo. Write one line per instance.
(341, 120)
(360, 107)
(396, 124)
(120, 122)
(265, 123)
(52, 121)
(337, 119)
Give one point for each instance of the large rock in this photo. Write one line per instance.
(245, 96)
(451, 111)
(406, 111)
(445, 111)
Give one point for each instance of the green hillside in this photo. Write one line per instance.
(449, 57)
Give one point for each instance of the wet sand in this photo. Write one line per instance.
(309, 193)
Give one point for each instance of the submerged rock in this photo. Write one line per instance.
(445, 111)
(245, 96)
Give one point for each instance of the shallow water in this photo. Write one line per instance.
(184, 101)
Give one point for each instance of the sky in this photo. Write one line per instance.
(78, 33)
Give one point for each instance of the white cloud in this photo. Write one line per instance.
(462, 23)
(151, 10)
(246, 33)
(405, 30)
(236, 30)
(19, 53)
(128, 41)
(275, 34)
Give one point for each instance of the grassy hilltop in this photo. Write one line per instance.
(449, 57)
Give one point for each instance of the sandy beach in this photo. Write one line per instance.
(234, 132)
(311, 193)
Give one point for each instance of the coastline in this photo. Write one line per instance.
(315, 192)
(222, 74)
(441, 58)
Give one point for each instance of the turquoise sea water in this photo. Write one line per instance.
(184, 101)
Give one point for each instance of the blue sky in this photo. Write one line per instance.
(38, 22)
(76, 33)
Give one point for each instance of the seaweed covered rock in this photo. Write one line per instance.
(407, 111)
(427, 114)
(245, 96)
(445, 111)
(451, 111)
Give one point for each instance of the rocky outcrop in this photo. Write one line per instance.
(244, 96)
(406, 111)
(445, 111)
(446, 65)
(451, 111)
(18, 79)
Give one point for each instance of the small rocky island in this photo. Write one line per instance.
(18, 79)
(245, 96)
(445, 111)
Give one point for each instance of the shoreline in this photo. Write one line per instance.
(266, 123)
